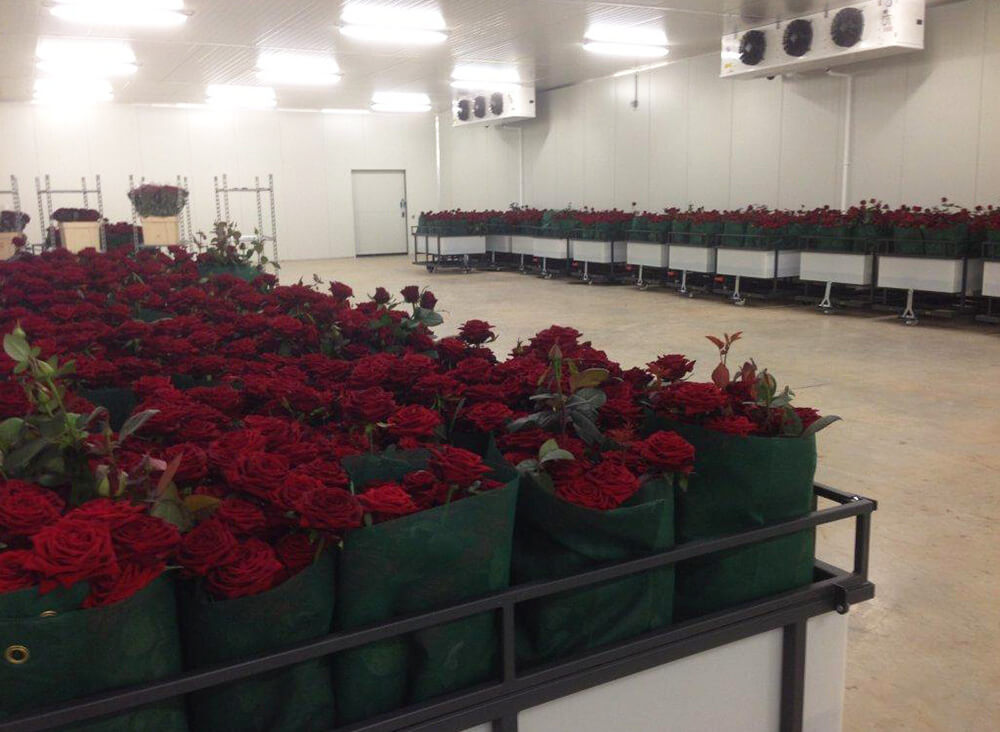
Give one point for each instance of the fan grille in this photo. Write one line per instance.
(753, 44)
(847, 27)
(798, 37)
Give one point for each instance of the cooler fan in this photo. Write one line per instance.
(463, 110)
(479, 107)
(798, 38)
(847, 27)
(753, 44)
(496, 104)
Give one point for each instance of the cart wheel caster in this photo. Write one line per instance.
(827, 311)
(547, 276)
(690, 296)
(912, 321)
(430, 268)
(740, 303)
(590, 282)
(642, 286)
(467, 270)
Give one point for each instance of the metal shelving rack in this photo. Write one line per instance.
(45, 194)
(14, 193)
(184, 218)
(515, 689)
(222, 206)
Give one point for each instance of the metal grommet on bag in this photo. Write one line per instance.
(16, 655)
(48, 614)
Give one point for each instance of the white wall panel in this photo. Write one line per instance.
(988, 177)
(668, 136)
(709, 133)
(811, 149)
(310, 155)
(878, 120)
(596, 157)
(756, 142)
(631, 128)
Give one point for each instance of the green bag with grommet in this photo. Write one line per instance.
(554, 538)
(417, 563)
(296, 698)
(54, 652)
(738, 484)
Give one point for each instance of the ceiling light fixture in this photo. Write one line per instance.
(72, 91)
(345, 111)
(386, 24)
(297, 69)
(477, 77)
(77, 58)
(251, 97)
(640, 69)
(148, 13)
(612, 40)
(400, 102)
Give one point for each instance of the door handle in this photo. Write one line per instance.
(402, 207)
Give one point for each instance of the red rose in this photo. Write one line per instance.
(26, 508)
(381, 296)
(543, 341)
(327, 472)
(733, 425)
(295, 486)
(145, 540)
(427, 300)
(329, 509)
(207, 545)
(251, 569)
(456, 466)
(340, 291)
(808, 415)
(451, 349)
(108, 512)
(386, 500)
(488, 416)
(296, 552)
(225, 449)
(277, 432)
(242, 517)
(604, 487)
(476, 332)
(16, 570)
(411, 294)
(414, 421)
(369, 405)
(666, 452)
(257, 473)
(194, 462)
(72, 550)
(132, 578)
(691, 398)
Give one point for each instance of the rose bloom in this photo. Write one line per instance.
(488, 416)
(257, 473)
(109, 512)
(26, 508)
(369, 405)
(386, 500)
(414, 421)
(252, 569)
(411, 294)
(132, 578)
(667, 452)
(340, 291)
(16, 570)
(194, 462)
(207, 545)
(242, 517)
(327, 472)
(476, 332)
(604, 487)
(456, 466)
(145, 540)
(295, 551)
(381, 296)
(427, 300)
(732, 425)
(329, 509)
(671, 367)
(72, 550)
(691, 398)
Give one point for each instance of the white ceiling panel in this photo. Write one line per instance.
(220, 41)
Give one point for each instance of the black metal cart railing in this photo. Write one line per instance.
(833, 589)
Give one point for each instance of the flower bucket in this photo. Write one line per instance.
(908, 241)
(833, 238)
(70, 653)
(76, 236)
(742, 483)
(297, 698)
(680, 230)
(948, 241)
(412, 564)
(243, 271)
(160, 230)
(554, 538)
(732, 233)
(705, 233)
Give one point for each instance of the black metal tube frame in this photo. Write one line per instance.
(833, 589)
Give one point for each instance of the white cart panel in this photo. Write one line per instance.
(498, 243)
(848, 269)
(597, 252)
(550, 248)
(991, 279)
(758, 263)
(452, 245)
(686, 692)
(692, 259)
(522, 245)
(648, 254)
(79, 235)
(929, 274)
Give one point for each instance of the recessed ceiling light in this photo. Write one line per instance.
(297, 69)
(484, 76)
(400, 102)
(387, 24)
(72, 91)
(613, 40)
(149, 13)
(253, 97)
(77, 58)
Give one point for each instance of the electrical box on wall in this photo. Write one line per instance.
(858, 32)
(510, 104)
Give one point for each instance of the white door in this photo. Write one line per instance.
(379, 211)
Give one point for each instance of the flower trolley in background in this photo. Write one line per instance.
(76, 228)
(693, 248)
(647, 252)
(161, 212)
(991, 276)
(12, 223)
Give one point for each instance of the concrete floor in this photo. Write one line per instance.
(921, 434)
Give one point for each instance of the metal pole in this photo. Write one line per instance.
(793, 676)
(274, 219)
(225, 193)
(135, 230)
(218, 207)
(41, 211)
